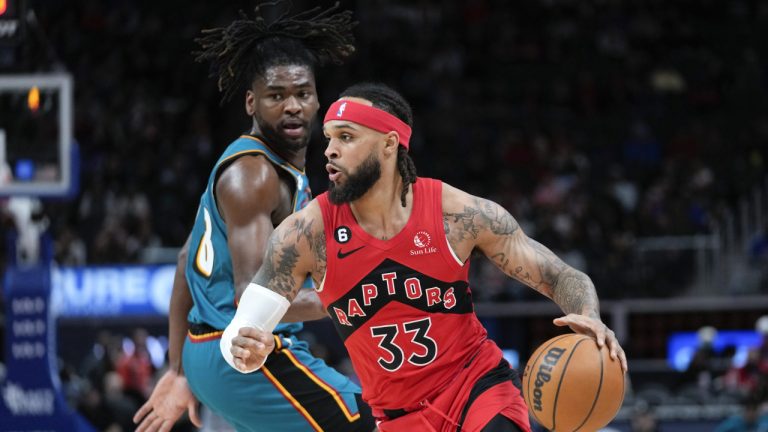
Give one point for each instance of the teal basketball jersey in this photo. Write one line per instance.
(209, 264)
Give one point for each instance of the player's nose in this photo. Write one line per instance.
(292, 106)
(331, 150)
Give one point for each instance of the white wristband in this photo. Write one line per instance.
(259, 307)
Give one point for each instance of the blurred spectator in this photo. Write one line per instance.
(135, 368)
(700, 369)
(762, 388)
(758, 247)
(747, 380)
(93, 407)
(758, 255)
(70, 249)
(761, 326)
(643, 418)
(119, 405)
(751, 419)
(101, 358)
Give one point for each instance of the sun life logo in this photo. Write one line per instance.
(341, 109)
(422, 239)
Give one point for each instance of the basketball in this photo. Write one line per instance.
(571, 385)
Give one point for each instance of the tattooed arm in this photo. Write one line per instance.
(471, 222)
(295, 249)
(301, 234)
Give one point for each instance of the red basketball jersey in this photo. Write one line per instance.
(402, 306)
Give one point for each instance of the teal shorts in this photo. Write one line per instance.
(292, 392)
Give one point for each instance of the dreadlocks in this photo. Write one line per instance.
(246, 48)
(387, 99)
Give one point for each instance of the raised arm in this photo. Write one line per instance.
(471, 222)
(295, 249)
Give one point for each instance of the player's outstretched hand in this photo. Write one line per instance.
(251, 347)
(583, 324)
(168, 401)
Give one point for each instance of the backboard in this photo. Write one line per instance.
(36, 141)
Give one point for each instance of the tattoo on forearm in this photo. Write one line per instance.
(571, 289)
(542, 270)
(550, 266)
(575, 293)
(520, 273)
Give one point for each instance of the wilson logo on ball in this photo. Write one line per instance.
(545, 374)
(572, 385)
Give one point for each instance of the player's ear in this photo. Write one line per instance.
(391, 141)
(250, 103)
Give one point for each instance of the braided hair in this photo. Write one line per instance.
(387, 99)
(247, 47)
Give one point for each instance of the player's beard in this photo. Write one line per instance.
(357, 183)
(278, 140)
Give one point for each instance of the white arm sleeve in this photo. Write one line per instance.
(259, 307)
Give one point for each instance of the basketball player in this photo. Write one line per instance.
(256, 183)
(390, 255)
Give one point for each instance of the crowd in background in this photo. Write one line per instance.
(594, 122)
(113, 379)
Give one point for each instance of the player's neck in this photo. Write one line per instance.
(380, 211)
(296, 158)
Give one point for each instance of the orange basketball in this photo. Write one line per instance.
(571, 385)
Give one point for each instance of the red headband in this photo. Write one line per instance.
(370, 117)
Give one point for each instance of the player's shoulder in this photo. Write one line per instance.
(309, 219)
(248, 153)
(247, 179)
(250, 165)
(456, 200)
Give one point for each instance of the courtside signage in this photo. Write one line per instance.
(112, 291)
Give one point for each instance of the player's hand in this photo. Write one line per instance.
(168, 401)
(583, 324)
(251, 347)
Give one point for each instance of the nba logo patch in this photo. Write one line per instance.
(342, 107)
